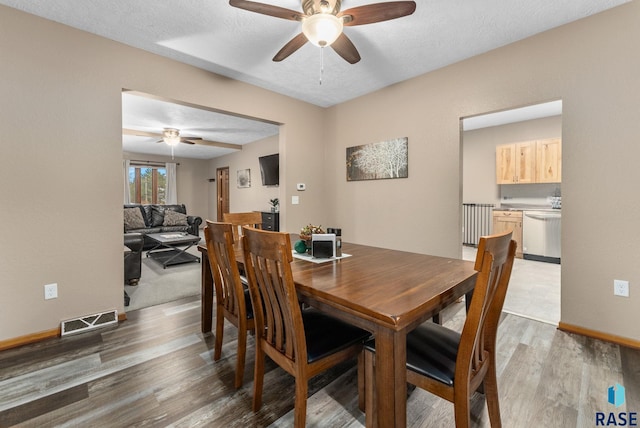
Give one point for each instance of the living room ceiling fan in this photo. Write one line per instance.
(171, 136)
(322, 22)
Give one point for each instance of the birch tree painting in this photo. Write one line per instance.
(377, 161)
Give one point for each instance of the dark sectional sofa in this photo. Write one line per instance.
(155, 220)
(133, 258)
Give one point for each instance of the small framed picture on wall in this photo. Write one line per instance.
(244, 178)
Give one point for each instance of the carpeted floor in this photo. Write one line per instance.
(158, 285)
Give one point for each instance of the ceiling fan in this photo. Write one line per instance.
(322, 22)
(171, 136)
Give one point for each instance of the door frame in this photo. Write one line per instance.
(222, 191)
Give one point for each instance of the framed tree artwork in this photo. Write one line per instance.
(378, 161)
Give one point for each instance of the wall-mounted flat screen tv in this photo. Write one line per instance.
(270, 169)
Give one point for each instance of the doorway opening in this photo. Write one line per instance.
(194, 141)
(492, 204)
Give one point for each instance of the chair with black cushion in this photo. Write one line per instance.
(232, 295)
(454, 365)
(239, 220)
(302, 342)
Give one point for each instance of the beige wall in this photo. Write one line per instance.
(254, 198)
(62, 190)
(590, 66)
(191, 181)
(479, 158)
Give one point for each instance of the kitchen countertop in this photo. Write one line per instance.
(525, 207)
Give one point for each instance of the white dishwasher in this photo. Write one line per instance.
(541, 235)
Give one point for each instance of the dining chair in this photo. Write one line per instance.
(302, 342)
(238, 220)
(454, 365)
(232, 296)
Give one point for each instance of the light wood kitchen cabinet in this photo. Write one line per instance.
(529, 162)
(549, 161)
(509, 221)
(515, 163)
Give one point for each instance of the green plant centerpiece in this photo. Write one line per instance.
(308, 230)
(304, 244)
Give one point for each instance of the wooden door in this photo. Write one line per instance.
(222, 176)
(549, 161)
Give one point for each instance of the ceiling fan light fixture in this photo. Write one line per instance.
(171, 136)
(322, 29)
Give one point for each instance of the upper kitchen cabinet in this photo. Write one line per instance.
(529, 162)
(515, 163)
(549, 161)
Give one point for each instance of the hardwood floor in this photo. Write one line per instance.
(156, 369)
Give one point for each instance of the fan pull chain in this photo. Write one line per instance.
(321, 63)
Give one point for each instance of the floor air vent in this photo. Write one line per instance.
(89, 322)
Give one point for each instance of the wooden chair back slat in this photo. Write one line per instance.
(495, 260)
(229, 290)
(270, 257)
(226, 277)
(239, 220)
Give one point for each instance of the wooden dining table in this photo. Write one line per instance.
(387, 292)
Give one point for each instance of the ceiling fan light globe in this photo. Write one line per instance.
(171, 136)
(322, 29)
(172, 141)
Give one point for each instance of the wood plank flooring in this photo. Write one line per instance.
(156, 369)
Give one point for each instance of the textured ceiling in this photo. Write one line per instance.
(239, 44)
(145, 113)
(215, 36)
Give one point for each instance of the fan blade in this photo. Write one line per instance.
(346, 49)
(267, 9)
(186, 141)
(294, 44)
(377, 12)
(190, 138)
(219, 144)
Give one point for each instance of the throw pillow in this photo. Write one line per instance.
(133, 219)
(157, 216)
(174, 218)
(178, 207)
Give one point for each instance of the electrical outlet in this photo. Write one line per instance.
(620, 288)
(50, 291)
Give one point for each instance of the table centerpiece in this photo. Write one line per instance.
(305, 237)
